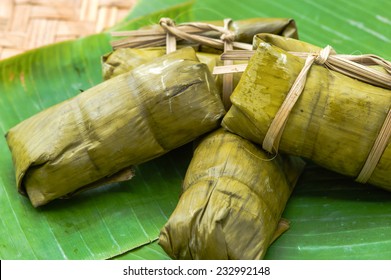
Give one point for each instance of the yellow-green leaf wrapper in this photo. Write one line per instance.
(335, 122)
(98, 135)
(233, 197)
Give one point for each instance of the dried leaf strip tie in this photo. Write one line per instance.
(273, 135)
(226, 36)
(227, 39)
(228, 79)
(353, 66)
(376, 151)
(196, 32)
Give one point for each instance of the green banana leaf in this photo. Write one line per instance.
(331, 216)
(150, 251)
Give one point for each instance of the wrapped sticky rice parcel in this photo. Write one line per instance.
(339, 122)
(137, 49)
(98, 135)
(232, 200)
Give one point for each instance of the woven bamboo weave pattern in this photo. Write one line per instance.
(28, 24)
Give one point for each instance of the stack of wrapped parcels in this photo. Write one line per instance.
(293, 101)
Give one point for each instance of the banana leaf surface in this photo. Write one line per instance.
(331, 216)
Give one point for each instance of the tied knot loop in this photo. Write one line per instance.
(227, 36)
(168, 26)
(323, 55)
(164, 22)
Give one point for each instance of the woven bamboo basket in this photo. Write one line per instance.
(28, 24)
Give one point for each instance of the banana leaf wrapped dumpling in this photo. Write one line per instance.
(95, 137)
(232, 200)
(128, 53)
(335, 122)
